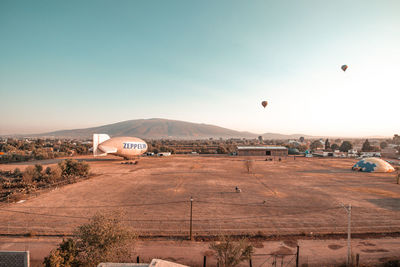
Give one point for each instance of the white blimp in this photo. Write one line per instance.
(126, 147)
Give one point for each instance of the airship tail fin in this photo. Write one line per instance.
(98, 139)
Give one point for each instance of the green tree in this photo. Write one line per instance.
(383, 145)
(334, 147)
(327, 144)
(396, 139)
(345, 146)
(366, 147)
(221, 150)
(315, 145)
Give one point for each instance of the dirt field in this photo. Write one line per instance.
(301, 196)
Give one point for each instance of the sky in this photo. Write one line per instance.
(77, 64)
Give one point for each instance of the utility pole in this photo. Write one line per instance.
(348, 210)
(191, 213)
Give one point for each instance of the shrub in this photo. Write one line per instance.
(248, 164)
(103, 239)
(53, 174)
(17, 173)
(29, 174)
(70, 167)
(65, 255)
(230, 253)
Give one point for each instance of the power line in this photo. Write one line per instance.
(178, 220)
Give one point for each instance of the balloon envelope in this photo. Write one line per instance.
(344, 67)
(264, 103)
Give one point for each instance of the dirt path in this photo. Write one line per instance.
(312, 252)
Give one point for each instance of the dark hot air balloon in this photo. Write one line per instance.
(344, 67)
(264, 103)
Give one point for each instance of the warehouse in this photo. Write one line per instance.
(279, 151)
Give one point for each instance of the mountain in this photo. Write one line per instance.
(154, 129)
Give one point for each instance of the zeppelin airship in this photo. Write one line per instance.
(126, 147)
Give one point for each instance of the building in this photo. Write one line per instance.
(278, 151)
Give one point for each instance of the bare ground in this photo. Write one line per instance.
(299, 197)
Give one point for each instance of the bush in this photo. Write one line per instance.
(230, 253)
(17, 173)
(102, 239)
(248, 164)
(70, 167)
(65, 255)
(29, 174)
(53, 174)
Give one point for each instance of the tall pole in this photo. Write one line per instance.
(191, 212)
(348, 210)
(349, 235)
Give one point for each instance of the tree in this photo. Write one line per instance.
(302, 148)
(221, 150)
(103, 239)
(71, 167)
(334, 147)
(345, 146)
(396, 139)
(383, 145)
(29, 174)
(260, 139)
(301, 139)
(53, 174)
(327, 144)
(315, 145)
(248, 164)
(366, 147)
(230, 253)
(65, 255)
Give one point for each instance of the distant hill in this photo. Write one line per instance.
(162, 128)
(154, 129)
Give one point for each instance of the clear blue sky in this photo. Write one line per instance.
(72, 64)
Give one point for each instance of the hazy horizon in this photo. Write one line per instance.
(69, 65)
(293, 133)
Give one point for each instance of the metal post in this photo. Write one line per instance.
(191, 217)
(297, 256)
(205, 261)
(8, 221)
(250, 263)
(137, 259)
(348, 210)
(357, 260)
(349, 236)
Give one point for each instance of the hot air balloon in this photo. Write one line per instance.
(264, 103)
(344, 67)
